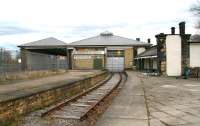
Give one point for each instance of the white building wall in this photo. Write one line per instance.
(173, 55)
(194, 54)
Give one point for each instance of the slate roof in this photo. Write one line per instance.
(44, 42)
(108, 39)
(195, 38)
(150, 52)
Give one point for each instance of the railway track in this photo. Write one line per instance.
(80, 105)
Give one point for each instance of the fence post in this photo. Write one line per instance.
(23, 59)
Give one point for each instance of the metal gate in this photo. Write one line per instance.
(115, 64)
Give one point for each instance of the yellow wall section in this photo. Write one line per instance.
(88, 63)
(129, 58)
(83, 63)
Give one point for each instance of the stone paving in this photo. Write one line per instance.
(20, 89)
(171, 101)
(155, 101)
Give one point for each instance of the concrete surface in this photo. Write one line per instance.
(154, 101)
(10, 91)
(128, 108)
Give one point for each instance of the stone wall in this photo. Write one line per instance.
(161, 53)
(11, 109)
(129, 58)
(185, 51)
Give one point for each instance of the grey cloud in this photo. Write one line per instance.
(10, 30)
(97, 27)
(86, 30)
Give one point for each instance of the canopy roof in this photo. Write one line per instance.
(44, 42)
(152, 52)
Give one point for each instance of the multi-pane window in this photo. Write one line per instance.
(115, 53)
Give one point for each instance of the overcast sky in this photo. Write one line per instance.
(24, 21)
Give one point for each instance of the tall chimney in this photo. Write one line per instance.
(138, 39)
(149, 40)
(182, 28)
(172, 30)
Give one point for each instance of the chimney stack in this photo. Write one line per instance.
(149, 40)
(138, 39)
(182, 28)
(173, 30)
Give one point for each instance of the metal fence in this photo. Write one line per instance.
(39, 61)
(10, 61)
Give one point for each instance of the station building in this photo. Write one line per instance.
(172, 54)
(194, 51)
(105, 51)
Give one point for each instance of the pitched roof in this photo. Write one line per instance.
(195, 38)
(44, 42)
(106, 39)
(150, 52)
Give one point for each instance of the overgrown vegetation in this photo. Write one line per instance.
(7, 123)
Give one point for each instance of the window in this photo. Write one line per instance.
(115, 53)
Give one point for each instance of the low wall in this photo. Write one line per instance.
(12, 108)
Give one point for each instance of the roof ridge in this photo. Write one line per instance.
(84, 39)
(110, 40)
(38, 42)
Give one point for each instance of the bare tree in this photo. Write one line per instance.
(195, 9)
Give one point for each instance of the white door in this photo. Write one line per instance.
(115, 64)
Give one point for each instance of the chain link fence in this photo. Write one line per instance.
(10, 61)
(39, 61)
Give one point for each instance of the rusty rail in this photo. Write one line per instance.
(93, 106)
(86, 107)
